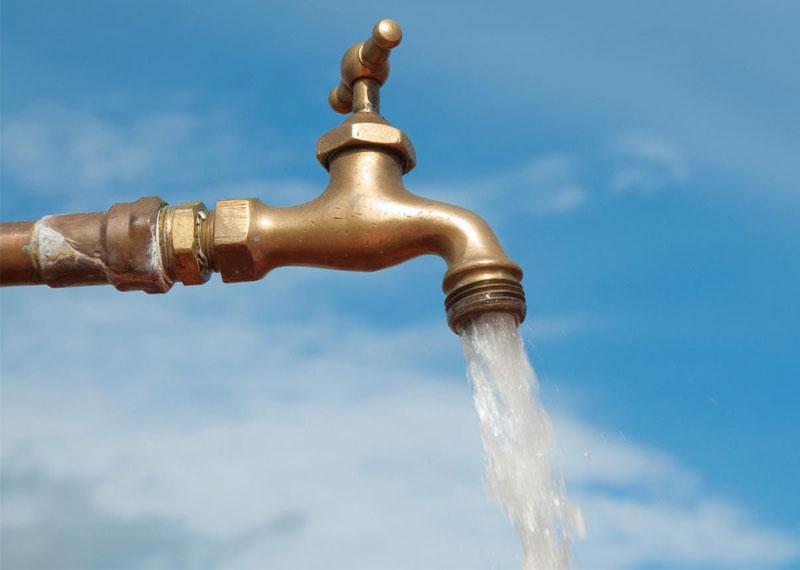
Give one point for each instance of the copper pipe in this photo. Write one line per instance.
(16, 264)
(118, 247)
(365, 220)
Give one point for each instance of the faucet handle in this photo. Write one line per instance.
(368, 60)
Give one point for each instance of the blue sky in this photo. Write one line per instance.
(640, 161)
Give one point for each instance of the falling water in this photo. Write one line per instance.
(516, 435)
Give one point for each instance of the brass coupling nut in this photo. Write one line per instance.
(185, 259)
(235, 242)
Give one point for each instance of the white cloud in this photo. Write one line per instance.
(76, 154)
(550, 185)
(597, 458)
(232, 437)
(706, 533)
(544, 185)
(647, 164)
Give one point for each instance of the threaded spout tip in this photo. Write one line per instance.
(485, 296)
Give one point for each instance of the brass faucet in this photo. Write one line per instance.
(365, 220)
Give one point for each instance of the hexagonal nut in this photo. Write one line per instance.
(358, 134)
(234, 240)
(189, 264)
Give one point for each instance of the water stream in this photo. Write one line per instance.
(516, 435)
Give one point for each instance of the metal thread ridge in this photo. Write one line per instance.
(489, 295)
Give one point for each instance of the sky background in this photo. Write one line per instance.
(640, 161)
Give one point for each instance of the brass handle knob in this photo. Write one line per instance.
(368, 59)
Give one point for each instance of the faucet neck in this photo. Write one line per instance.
(369, 171)
(366, 96)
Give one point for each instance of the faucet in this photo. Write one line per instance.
(365, 220)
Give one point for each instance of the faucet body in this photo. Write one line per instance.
(365, 220)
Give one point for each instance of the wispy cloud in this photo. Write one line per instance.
(555, 184)
(300, 445)
(550, 185)
(636, 533)
(69, 153)
(647, 164)
(544, 185)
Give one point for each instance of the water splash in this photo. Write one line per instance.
(516, 435)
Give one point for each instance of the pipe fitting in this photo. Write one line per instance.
(183, 251)
(132, 250)
(120, 247)
(236, 244)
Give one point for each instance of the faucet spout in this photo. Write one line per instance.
(367, 220)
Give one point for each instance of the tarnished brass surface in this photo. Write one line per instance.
(365, 220)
